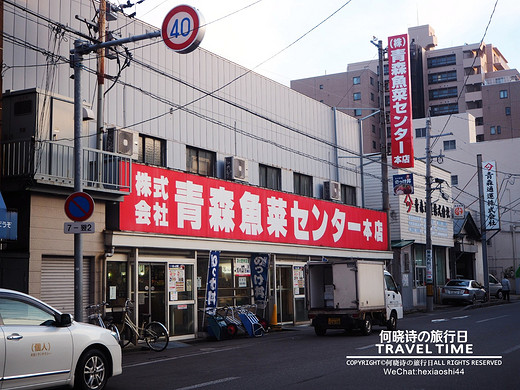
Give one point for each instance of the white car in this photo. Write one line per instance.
(41, 347)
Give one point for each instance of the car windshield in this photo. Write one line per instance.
(458, 283)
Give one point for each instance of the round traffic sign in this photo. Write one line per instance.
(183, 29)
(79, 206)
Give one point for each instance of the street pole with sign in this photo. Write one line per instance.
(182, 31)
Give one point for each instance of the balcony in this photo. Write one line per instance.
(52, 163)
(472, 62)
(473, 96)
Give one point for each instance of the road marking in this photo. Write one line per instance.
(440, 320)
(459, 318)
(231, 378)
(181, 357)
(492, 318)
(366, 347)
(512, 349)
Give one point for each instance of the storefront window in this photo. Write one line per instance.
(117, 286)
(234, 281)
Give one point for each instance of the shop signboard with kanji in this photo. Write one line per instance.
(400, 101)
(177, 203)
(492, 217)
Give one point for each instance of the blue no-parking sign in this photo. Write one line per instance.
(79, 206)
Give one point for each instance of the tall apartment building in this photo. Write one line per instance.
(470, 78)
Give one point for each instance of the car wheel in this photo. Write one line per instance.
(392, 322)
(499, 294)
(91, 371)
(367, 325)
(474, 299)
(320, 331)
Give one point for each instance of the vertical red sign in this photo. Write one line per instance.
(400, 101)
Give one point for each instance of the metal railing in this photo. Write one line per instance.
(52, 162)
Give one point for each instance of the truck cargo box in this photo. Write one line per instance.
(346, 285)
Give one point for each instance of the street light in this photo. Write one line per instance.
(360, 127)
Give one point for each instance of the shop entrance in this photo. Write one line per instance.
(284, 294)
(151, 292)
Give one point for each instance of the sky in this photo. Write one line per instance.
(274, 37)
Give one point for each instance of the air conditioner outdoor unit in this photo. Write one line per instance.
(236, 168)
(332, 190)
(122, 141)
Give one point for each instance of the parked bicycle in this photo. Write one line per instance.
(153, 333)
(95, 317)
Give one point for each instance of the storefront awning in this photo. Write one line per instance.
(397, 244)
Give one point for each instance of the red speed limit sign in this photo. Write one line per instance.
(183, 29)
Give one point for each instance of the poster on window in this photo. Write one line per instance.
(176, 278)
(242, 267)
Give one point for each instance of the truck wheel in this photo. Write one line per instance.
(391, 324)
(320, 331)
(367, 325)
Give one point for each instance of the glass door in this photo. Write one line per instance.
(284, 292)
(151, 292)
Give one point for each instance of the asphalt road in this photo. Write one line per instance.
(471, 349)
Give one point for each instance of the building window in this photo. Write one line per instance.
(374, 129)
(151, 151)
(321, 86)
(357, 112)
(372, 97)
(357, 95)
(442, 77)
(371, 81)
(302, 184)
(445, 109)
(480, 137)
(492, 130)
(450, 145)
(479, 121)
(443, 93)
(387, 100)
(374, 145)
(503, 94)
(348, 195)
(508, 110)
(356, 80)
(270, 177)
(385, 69)
(201, 162)
(454, 180)
(420, 132)
(499, 130)
(436, 62)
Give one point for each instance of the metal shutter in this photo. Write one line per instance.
(57, 284)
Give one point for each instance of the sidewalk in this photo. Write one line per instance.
(492, 302)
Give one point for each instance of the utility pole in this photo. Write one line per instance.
(430, 266)
(100, 120)
(429, 257)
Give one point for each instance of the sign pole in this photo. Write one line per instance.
(78, 185)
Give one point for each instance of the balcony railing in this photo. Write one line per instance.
(49, 162)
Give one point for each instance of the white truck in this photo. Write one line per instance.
(351, 294)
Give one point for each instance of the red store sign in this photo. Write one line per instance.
(400, 101)
(171, 202)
